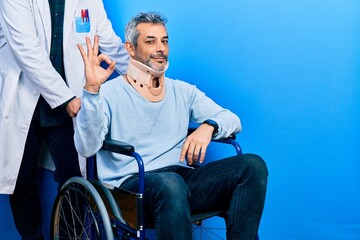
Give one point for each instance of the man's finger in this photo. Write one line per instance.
(106, 58)
(190, 153)
(184, 150)
(89, 47)
(96, 46)
(82, 52)
(202, 154)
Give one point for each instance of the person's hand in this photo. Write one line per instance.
(73, 107)
(95, 75)
(196, 144)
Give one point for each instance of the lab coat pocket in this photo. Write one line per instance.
(8, 89)
(9, 79)
(80, 30)
(81, 25)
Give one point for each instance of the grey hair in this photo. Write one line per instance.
(131, 32)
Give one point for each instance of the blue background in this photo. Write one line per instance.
(290, 70)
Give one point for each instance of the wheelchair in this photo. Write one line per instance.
(90, 209)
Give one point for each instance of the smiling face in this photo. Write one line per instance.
(152, 46)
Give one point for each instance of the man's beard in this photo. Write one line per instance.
(150, 64)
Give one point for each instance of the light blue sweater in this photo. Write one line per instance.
(157, 130)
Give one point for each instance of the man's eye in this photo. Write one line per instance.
(150, 41)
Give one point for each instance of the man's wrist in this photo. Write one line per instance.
(67, 102)
(213, 124)
(92, 89)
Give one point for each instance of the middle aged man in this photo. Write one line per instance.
(153, 112)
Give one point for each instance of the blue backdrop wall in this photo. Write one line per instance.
(290, 70)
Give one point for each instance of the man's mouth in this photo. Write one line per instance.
(159, 59)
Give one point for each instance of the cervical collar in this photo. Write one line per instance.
(146, 81)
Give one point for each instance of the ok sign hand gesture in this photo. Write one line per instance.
(95, 75)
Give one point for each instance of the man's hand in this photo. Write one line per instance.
(196, 144)
(95, 75)
(73, 107)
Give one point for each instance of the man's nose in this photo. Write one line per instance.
(160, 47)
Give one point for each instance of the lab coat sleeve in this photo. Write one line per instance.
(91, 124)
(111, 44)
(21, 22)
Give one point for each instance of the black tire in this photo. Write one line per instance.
(79, 213)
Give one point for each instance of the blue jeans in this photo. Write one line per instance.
(237, 184)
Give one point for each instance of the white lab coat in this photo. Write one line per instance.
(26, 71)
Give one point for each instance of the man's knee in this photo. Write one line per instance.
(256, 168)
(256, 163)
(169, 186)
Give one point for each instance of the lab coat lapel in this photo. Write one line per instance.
(70, 10)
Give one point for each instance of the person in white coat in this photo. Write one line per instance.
(41, 80)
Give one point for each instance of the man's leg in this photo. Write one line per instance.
(60, 140)
(166, 201)
(25, 202)
(237, 184)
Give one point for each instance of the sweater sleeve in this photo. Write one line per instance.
(203, 108)
(91, 125)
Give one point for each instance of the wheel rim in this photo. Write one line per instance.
(76, 215)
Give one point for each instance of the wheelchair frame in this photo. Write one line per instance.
(102, 211)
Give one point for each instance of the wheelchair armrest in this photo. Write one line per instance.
(129, 150)
(229, 140)
(110, 145)
(118, 147)
(232, 136)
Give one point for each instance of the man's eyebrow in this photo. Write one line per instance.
(155, 37)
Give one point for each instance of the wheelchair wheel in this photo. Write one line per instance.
(209, 230)
(79, 213)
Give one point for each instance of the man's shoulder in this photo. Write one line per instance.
(181, 88)
(177, 83)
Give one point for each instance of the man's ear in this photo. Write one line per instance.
(130, 48)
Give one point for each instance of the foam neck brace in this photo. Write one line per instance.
(146, 81)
